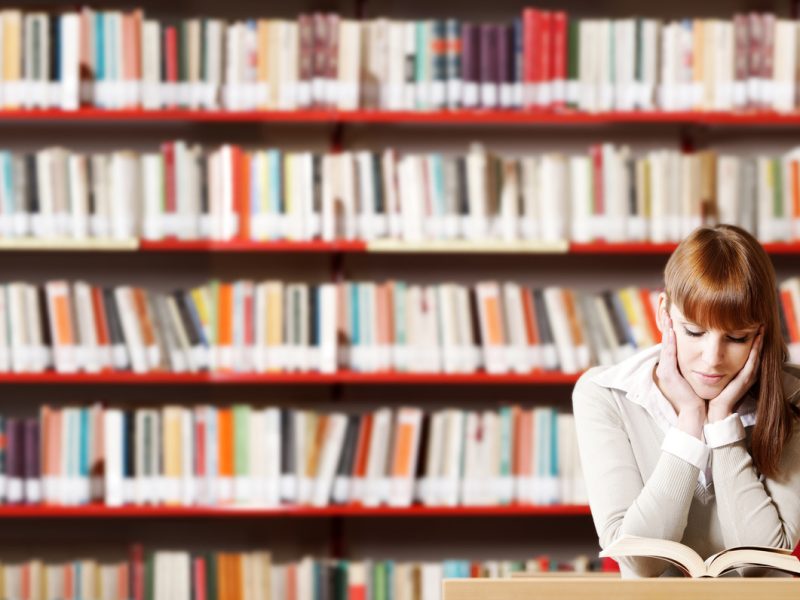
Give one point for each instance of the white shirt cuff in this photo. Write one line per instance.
(727, 431)
(687, 447)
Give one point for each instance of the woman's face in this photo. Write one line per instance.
(709, 358)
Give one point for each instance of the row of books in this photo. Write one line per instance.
(541, 59)
(253, 575)
(247, 326)
(254, 456)
(186, 192)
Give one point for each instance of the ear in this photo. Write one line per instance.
(662, 314)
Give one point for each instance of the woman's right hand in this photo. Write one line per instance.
(690, 407)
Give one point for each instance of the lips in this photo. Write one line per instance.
(712, 378)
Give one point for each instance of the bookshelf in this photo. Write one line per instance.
(563, 529)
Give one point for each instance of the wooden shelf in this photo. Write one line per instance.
(311, 378)
(459, 117)
(94, 511)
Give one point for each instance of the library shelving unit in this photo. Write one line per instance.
(550, 384)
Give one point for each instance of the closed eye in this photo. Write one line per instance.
(736, 340)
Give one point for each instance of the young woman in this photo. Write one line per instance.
(697, 440)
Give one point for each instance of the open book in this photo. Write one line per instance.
(692, 564)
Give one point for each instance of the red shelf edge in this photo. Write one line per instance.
(512, 117)
(216, 378)
(101, 511)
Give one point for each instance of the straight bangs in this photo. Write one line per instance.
(714, 287)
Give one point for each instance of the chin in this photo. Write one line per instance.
(708, 392)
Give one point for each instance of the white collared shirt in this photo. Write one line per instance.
(634, 377)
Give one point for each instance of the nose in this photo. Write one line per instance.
(713, 351)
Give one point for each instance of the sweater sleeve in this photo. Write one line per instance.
(753, 511)
(620, 501)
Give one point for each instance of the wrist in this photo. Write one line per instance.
(718, 413)
(691, 421)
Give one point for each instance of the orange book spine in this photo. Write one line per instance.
(101, 320)
(226, 442)
(791, 318)
(243, 190)
(140, 303)
(494, 324)
(316, 448)
(225, 315)
(531, 329)
(649, 314)
(572, 316)
(403, 448)
(364, 434)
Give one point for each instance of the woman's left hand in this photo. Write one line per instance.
(723, 405)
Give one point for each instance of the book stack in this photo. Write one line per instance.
(253, 456)
(542, 59)
(230, 575)
(246, 326)
(186, 192)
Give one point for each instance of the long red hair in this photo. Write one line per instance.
(721, 278)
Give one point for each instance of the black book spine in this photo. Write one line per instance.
(55, 47)
(313, 308)
(344, 468)
(194, 316)
(619, 330)
(186, 319)
(202, 169)
(32, 459)
(31, 189)
(112, 314)
(542, 320)
(287, 442)
(128, 444)
(475, 318)
(461, 186)
(13, 449)
(377, 184)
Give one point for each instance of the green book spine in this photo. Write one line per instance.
(573, 41)
(149, 578)
(211, 576)
(379, 581)
(241, 435)
(506, 445)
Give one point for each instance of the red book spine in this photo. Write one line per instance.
(200, 444)
(171, 56)
(545, 58)
(199, 578)
(788, 313)
(123, 581)
(529, 68)
(137, 572)
(649, 314)
(559, 55)
(101, 320)
(168, 152)
(596, 152)
(236, 168)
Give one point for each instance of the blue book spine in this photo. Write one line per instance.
(275, 183)
(195, 316)
(355, 335)
(99, 47)
(85, 432)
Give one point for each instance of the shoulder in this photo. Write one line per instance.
(589, 391)
(791, 383)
